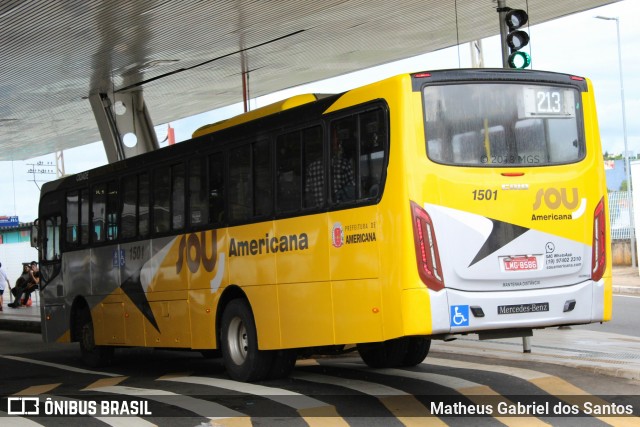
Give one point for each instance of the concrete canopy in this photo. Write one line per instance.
(188, 56)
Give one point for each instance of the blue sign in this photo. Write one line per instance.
(459, 315)
(9, 221)
(118, 258)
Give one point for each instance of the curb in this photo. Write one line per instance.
(626, 290)
(20, 326)
(601, 368)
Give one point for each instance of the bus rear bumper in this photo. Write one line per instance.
(455, 311)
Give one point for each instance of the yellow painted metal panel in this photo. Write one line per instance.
(311, 263)
(353, 244)
(202, 315)
(113, 320)
(306, 313)
(172, 318)
(251, 260)
(264, 303)
(134, 325)
(276, 107)
(357, 310)
(416, 307)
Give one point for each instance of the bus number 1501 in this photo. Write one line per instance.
(485, 194)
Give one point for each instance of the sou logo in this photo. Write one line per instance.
(193, 248)
(553, 198)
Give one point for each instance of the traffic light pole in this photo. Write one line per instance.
(502, 13)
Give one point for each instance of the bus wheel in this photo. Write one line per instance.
(92, 355)
(283, 363)
(387, 354)
(239, 344)
(417, 350)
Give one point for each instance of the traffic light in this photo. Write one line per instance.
(517, 39)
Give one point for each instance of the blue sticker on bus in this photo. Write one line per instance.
(459, 315)
(118, 258)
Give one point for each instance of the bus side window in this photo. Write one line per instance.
(161, 199)
(262, 182)
(84, 217)
(198, 207)
(73, 212)
(129, 206)
(177, 197)
(343, 155)
(373, 141)
(216, 188)
(240, 192)
(143, 205)
(51, 242)
(288, 154)
(314, 168)
(112, 211)
(98, 210)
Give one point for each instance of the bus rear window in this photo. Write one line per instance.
(503, 124)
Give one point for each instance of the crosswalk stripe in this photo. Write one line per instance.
(314, 412)
(462, 386)
(37, 389)
(550, 384)
(396, 401)
(59, 366)
(204, 408)
(16, 421)
(105, 382)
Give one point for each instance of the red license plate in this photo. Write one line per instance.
(521, 263)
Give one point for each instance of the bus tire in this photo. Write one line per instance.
(386, 354)
(239, 344)
(417, 351)
(93, 355)
(283, 363)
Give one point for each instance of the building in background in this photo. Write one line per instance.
(15, 246)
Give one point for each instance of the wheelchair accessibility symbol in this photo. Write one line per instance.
(459, 315)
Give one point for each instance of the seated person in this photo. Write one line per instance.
(26, 284)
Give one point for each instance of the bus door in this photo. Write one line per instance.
(356, 166)
(52, 291)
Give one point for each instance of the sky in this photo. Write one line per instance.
(578, 44)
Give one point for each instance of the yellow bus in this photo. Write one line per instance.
(420, 207)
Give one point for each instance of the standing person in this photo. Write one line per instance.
(3, 279)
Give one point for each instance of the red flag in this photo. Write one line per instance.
(171, 135)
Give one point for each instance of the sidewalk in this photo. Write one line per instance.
(626, 280)
(599, 352)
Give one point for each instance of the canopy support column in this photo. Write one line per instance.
(124, 123)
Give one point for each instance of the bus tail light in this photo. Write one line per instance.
(427, 254)
(599, 248)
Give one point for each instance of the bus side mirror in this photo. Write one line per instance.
(35, 240)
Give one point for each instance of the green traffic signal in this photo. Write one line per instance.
(519, 60)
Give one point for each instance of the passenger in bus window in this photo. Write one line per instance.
(343, 183)
(314, 184)
(314, 167)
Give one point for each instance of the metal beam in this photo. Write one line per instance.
(134, 123)
(125, 126)
(105, 119)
